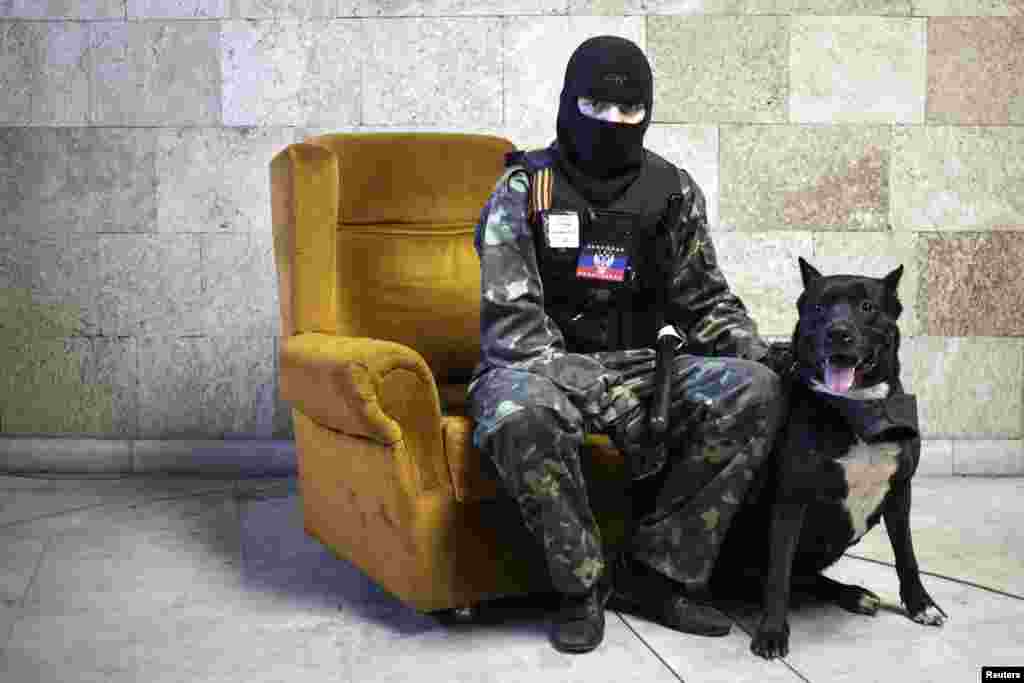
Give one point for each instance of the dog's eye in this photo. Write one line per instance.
(867, 306)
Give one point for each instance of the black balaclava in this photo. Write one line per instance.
(602, 159)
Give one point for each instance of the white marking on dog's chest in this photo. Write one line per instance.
(868, 468)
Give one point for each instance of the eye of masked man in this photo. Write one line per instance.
(611, 112)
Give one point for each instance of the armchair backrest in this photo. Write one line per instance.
(406, 267)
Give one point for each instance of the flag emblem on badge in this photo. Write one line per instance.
(602, 264)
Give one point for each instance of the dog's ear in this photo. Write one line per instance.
(892, 280)
(892, 300)
(807, 272)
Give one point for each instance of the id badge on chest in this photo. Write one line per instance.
(562, 229)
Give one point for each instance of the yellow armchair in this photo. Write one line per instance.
(380, 313)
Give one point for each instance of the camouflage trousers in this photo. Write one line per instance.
(724, 415)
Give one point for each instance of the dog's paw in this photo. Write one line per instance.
(932, 615)
(859, 600)
(921, 608)
(771, 642)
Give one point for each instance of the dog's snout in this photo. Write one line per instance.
(840, 334)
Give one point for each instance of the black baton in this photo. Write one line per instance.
(668, 338)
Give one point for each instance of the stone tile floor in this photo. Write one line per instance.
(186, 580)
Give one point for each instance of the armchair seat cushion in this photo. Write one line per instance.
(454, 400)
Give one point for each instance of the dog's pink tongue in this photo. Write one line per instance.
(838, 379)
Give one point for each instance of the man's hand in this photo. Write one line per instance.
(619, 400)
(631, 435)
(629, 362)
(614, 405)
(597, 390)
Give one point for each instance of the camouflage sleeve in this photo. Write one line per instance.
(701, 304)
(515, 330)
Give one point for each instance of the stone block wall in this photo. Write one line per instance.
(137, 291)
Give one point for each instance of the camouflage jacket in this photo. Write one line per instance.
(517, 333)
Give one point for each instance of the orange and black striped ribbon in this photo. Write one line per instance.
(540, 192)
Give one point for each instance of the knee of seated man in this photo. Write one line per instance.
(766, 393)
(754, 379)
(528, 439)
(765, 384)
(528, 421)
(754, 388)
(533, 427)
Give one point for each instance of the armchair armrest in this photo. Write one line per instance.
(369, 388)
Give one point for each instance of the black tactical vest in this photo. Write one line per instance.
(601, 293)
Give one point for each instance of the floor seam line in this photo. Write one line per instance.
(799, 674)
(965, 582)
(650, 647)
(47, 545)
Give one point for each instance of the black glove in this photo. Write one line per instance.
(594, 388)
(619, 399)
(630, 363)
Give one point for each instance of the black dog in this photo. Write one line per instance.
(843, 460)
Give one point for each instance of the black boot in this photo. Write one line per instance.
(578, 626)
(644, 592)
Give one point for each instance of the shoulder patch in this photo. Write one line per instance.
(517, 180)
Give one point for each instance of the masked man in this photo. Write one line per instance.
(568, 325)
